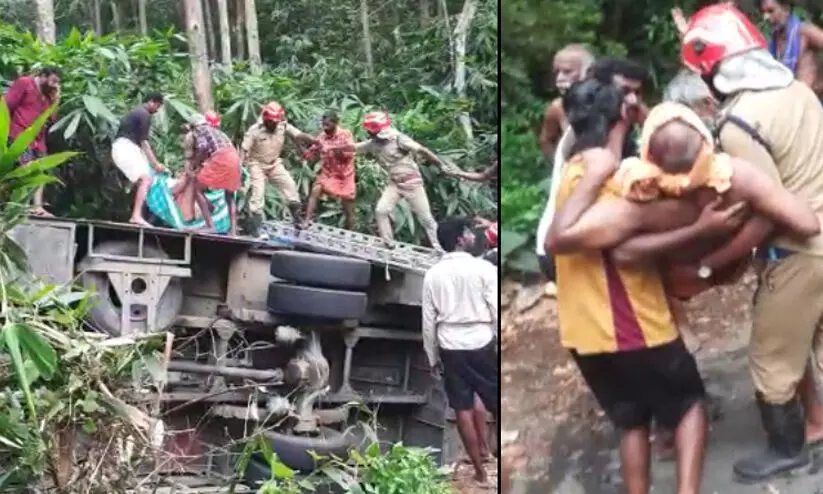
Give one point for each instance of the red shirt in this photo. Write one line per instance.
(26, 102)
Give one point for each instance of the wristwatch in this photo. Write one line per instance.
(704, 272)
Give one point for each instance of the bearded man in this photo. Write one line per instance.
(776, 123)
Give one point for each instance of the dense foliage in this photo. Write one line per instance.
(313, 64)
(533, 31)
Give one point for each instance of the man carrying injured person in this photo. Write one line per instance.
(653, 228)
(776, 123)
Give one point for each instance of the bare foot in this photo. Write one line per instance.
(40, 211)
(814, 434)
(140, 221)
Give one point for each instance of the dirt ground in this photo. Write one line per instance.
(569, 446)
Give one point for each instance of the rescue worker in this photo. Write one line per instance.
(396, 152)
(775, 122)
(260, 152)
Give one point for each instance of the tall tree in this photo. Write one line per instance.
(253, 37)
(239, 22)
(115, 16)
(141, 15)
(46, 30)
(98, 17)
(225, 35)
(461, 36)
(201, 77)
(209, 29)
(366, 35)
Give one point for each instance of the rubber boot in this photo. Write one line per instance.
(254, 222)
(786, 449)
(296, 210)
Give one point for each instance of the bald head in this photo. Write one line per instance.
(675, 147)
(570, 65)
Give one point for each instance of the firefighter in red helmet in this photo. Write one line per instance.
(397, 153)
(260, 152)
(775, 122)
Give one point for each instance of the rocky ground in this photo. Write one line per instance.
(563, 441)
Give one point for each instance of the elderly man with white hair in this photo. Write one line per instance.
(628, 77)
(775, 122)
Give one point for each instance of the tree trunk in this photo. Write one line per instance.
(199, 58)
(253, 37)
(46, 30)
(364, 22)
(141, 15)
(239, 22)
(225, 34)
(98, 18)
(443, 10)
(461, 36)
(115, 16)
(425, 16)
(209, 29)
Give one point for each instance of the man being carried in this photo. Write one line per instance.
(460, 315)
(396, 152)
(132, 153)
(27, 98)
(211, 158)
(776, 123)
(336, 177)
(260, 152)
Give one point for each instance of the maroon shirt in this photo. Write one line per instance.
(26, 102)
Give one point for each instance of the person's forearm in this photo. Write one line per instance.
(150, 153)
(751, 235)
(573, 208)
(430, 340)
(342, 147)
(646, 247)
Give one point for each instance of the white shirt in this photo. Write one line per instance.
(459, 304)
(561, 154)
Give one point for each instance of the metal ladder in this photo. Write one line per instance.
(333, 240)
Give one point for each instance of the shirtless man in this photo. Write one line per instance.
(570, 65)
(794, 42)
(628, 77)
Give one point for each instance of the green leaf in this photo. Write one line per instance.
(11, 336)
(40, 165)
(5, 124)
(509, 241)
(281, 471)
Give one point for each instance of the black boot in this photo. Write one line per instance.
(786, 443)
(296, 210)
(254, 222)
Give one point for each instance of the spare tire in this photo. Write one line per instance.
(321, 303)
(293, 450)
(106, 310)
(321, 270)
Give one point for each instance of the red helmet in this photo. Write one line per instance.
(274, 112)
(491, 235)
(376, 121)
(716, 33)
(212, 118)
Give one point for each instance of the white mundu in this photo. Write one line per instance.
(130, 159)
(561, 154)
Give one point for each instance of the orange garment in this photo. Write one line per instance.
(603, 307)
(221, 171)
(336, 176)
(641, 180)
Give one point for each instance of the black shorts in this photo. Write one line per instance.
(466, 372)
(660, 383)
(547, 266)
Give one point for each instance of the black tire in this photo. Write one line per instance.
(321, 270)
(293, 450)
(320, 303)
(105, 313)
